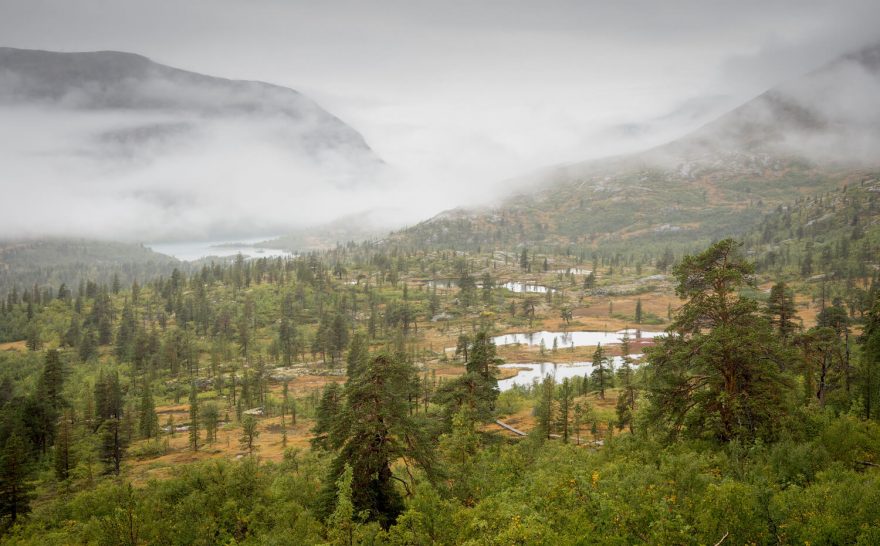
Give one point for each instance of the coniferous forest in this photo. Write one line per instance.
(351, 397)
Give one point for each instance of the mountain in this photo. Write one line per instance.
(51, 262)
(114, 145)
(180, 102)
(816, 133)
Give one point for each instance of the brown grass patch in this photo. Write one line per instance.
(20, 346)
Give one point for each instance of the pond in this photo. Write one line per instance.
(531, 372)
(574, 271)
(524, 288)
(518, 287)
(579, 339)
(443, 283)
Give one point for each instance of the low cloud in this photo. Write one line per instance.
(455, 97)
(151, 177)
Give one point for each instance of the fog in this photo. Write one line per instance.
(223, 178)
(454, 97)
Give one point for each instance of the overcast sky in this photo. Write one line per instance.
(469, 92)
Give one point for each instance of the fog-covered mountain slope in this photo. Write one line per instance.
(817, 132)
(180, 101)
(158, 153)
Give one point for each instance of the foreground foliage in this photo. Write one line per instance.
(812, 486)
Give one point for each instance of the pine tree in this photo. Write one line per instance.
(781, 310)
(211, 420)
(565, 399)
(380, 431)
(33, 340)
(249, 434)
(194, 417)
(15, 489)
(52, 380)
(583, 414)
(824, 360)
(719, 372)
(285, 401)
(73, 334)
(329, 423)
(341, 525)
(869, 365)
(358, 354)
(88, 348)
(545, 410)
(590, 281)
(113, 445)
(148, 422)
(126, 334)
(602, 373)
(626, 399)
(63, 454)
(287, 340)
(477, 388)
(109, 413)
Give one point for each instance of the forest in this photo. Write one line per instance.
(363, 395)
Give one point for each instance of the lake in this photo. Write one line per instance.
(194, 250)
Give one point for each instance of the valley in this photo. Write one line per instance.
(674, 346)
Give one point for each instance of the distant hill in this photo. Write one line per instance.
(816, 133)
(181, 103)
(51, 262)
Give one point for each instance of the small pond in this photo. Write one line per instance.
(531, 372)
(525, 288)
(579, 339)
